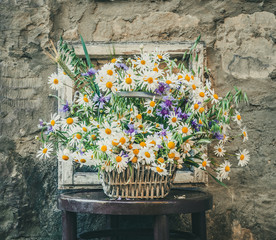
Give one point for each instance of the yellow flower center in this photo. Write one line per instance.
(159, 56)
(108, 131)
(128, 80)
(130, 146)
(84, 129)
(104, 148)
(45, 150)
(109, 85)
(192, 77)
(168, 81)
(201, 110)
(199, 121)
(55, 81)
(85, 99)
(110, 72)
(179, 77)
(161, 160)
(134, 159)
(65, 157)
(118, 159)
(215, 96)
(194, 86)
(93, 136)
(174, 119)
(64, 73)
(143, 144)
(239, 117)
(149, 111)
(219, 149)
(152, 104)
(53, 122)
(244, 134)
(139, 116)
(185, 130)
(114, 143)
(157, 125)
(242, 157)
(122, 140)
(227, 168)
(196, 106)
(82, 160)
(150, 80)
(136, 151)
(158, 169)
(155, 69)
(69, 121)
(204, 163)
(171, 155)
(201, 94)
(187, 78)
(78, 136)
(153, 142)
(171, 145)
(143, 62)
(113, 60)
(147, 154)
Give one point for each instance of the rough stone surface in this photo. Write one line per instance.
(240, 38)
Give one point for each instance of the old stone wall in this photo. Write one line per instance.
(241, 49)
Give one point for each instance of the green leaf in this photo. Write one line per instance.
(204, 141)
(86, 53)
(221, 183)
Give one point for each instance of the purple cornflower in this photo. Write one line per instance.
(163, 132)
(167, 102)
(41, 124)
(122, 66)
(90, 72)
(162, 88)
(101, 100)
(49, 129)
(131, 129)
(65, 107)
(218, 136)
(164, 112)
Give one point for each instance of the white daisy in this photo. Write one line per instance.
(237, 118)
(184, 129)
(45, 151)
(65, 155)
(150, 104)
(84, 100)
(121, 163)
(68, 123)
(173, 119)
(243, 157)
(214, 97)
(149, 81)
(104, 146)
(160, 169)
(146, 156)
(75, 136)
(107, 166)
(54, 122)
(223, 170)
(55, 81)
(244, 134)
(219, 150)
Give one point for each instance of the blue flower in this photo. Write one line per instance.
(65, 107)
(122, 66)
(100, 100)
(162, 88)
(90, 72)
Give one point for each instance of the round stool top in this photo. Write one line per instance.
(96, 202)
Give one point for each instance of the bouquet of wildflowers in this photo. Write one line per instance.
(145, 110)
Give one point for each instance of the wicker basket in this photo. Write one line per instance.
(138, 183)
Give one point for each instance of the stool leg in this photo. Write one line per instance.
(161, 228)
(69, 226)
(112, 222)
(199, 225)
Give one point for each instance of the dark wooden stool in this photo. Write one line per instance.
(192, 201)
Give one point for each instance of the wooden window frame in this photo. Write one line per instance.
(67, 179)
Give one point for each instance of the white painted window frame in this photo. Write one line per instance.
(67, 179)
